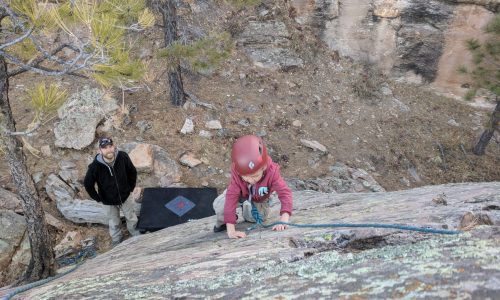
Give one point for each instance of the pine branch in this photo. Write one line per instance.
(17, 40)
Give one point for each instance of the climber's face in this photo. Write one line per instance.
(254, 177)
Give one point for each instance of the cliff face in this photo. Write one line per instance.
(418, 40)
(190, 261)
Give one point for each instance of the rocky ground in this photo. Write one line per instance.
(190, 261)
(331, 123)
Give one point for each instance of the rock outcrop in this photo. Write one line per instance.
(418, 40)
(190, 261)
(79, 117)
(10, 201)
(269, 45)
(15, 251)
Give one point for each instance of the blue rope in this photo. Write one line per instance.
(259, 223)
(86, 252)
(26, 287)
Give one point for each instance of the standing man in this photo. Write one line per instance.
(115, 175)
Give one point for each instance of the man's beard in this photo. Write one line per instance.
(110, 156)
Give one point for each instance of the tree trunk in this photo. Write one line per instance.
(480, 147)
(168, 11)
(42, 256)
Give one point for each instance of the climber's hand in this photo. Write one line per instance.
(284, 218)
(232, 233)
(236, 235)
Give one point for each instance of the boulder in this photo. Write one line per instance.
(9, 201)
(188, 159)
(142, 157)
(268, 44)
(341, 179)
(83, 211)
(69, 244)
(165, 171)
(58, 190)
(192, 261)
(14, 245)
(79, 117)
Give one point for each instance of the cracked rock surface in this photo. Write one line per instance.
(190, 261)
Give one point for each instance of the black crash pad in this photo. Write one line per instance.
(164, 207)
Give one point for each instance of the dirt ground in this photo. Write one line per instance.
(401, 134)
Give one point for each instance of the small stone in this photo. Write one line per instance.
(143, 126)
(405, 181)
(244, 122)
(291, 84)
(440, 199)
(386, 90)
(213, 124)
(188, 159)
(313, 145)
(52, 221)
(188, 126)
(470, 220)
(414, 174)
(45, 149)
(261, 133)
(204, 183)
(66, 165)
(69, 244)
(136, 194)
(206, 134)
(189, 105)
(296, 123)
(37, 177)
(452, 122)
(349, 122)
(437, 159)
(261, 90)
(243, 76)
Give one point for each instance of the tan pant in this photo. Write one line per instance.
(113, 212)
(262, 207)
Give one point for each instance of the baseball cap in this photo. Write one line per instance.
(103, 142)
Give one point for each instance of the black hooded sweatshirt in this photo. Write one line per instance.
(115, 182)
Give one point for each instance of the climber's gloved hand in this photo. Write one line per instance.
(263, 191)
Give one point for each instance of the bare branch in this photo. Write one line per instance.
(19, 39)
(27, 132)
(38, 69)
(20, 24)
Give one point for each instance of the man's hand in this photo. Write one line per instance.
(233, 234)
(284, 218)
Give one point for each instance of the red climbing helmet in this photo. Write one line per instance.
(249, 154)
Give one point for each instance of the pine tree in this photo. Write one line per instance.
(200, 55)
(485, 74)
(93, 45)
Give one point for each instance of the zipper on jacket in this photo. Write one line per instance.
(117, 188)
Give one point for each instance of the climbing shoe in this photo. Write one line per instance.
(220, 228)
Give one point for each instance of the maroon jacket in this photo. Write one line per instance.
(239, 189)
